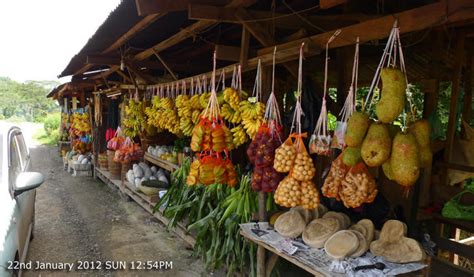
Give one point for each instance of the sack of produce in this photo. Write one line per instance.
(303, 167)
(285, 155)
(288, 193)
(394, 247)
(290, 224)
(332, 183)
(358, 187)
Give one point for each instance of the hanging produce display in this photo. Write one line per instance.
(320, 142)
(296, 189)
(80, 133)
(163, 113)
(252, 110)
(213, 140)
(261, 151)
(128, 152)
(134, 120)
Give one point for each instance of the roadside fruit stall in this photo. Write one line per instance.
(317, 148)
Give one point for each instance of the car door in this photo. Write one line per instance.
(24, 210)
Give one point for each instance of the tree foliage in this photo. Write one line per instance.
(26, 100)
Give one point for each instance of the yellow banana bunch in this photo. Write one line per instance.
(186, 125)
(195, 103)
(134, 120)
(196, 116)
(231, 96)
(239, 136)
(252, 113)
(204, 99)
(229, 114)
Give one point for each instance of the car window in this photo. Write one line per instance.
(15, 164)
(23, 151)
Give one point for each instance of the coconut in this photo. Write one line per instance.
(377, 145)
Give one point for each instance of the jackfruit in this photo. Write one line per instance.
(392, 100)
(356, 128)
(405, 160)
(387, 170)
(377, 145)
(421, 130)
(351, 156)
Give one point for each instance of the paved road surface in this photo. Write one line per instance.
(81, 219)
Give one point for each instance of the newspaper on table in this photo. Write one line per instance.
(319, 260)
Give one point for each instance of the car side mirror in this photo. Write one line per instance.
(27, 181)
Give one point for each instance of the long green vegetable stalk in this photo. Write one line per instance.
(214, 213)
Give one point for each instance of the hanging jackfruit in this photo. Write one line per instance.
(421, 130)
(405, 160)
(377, 145)
(387, 170)
(393, 97)
(356, 128)
(351, 156)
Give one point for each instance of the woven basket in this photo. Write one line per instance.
(103, 161)
(125, 168)
(115, 168)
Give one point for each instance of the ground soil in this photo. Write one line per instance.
(82, 219)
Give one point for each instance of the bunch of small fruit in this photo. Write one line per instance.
(134, 120)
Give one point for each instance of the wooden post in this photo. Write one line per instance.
(467, 102)
(261, 250)
(456, 84)
(244, 47)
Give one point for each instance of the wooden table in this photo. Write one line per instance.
(270, 263)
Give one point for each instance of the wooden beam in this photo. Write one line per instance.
(244, 46)
(188, 32)
(165, 65)
(417, 19)
(327, 4)
(146, 7)
(124, 76)
(227, 53)
(285, 21)
(455, 90)
(142, 24)
(301, 33)
(103, 60)
(185, 33)
(262, 35)
(136, 70)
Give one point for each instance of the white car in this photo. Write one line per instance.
(17, 200)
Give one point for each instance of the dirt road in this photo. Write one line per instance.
(81, 219)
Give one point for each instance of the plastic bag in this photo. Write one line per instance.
(454, 209)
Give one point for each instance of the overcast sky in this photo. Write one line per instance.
(39, 37)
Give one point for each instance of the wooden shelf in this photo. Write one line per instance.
(150, 199)
(160, 162)
(105, 177)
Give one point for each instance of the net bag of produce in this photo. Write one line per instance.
(332, 183)
(303, 167)
(358, 187)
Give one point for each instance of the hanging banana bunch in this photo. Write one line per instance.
(252, 110)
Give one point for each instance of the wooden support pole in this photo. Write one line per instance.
(244, 47)
(467, 102)
(261, 250)
(165, 65)
(456, 87)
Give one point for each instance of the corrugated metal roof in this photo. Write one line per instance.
(119, 21)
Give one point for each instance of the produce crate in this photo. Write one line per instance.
(82, 173)
(81, 167)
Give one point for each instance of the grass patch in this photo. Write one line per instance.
(41, 137)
